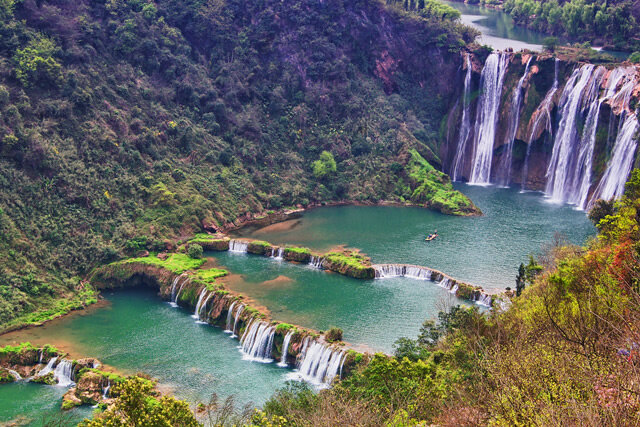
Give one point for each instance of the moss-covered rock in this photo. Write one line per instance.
(259, 247)
(70, 400)
(302, 255)
(350, 263)
(6, 376)
(44, 379)
(212, 244)
(468, 292)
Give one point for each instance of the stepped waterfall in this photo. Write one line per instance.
(63, 373)
(491, 81)
(320, 364)
(504, 170)
(465, 124)
(569, 159)
(48, 368)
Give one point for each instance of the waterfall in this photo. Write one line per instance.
(320, 364)
(512, 128)
(257, 342)
(49, 368)
(316, 262)
(203, 307)
(619, 166)
(196, 313)
(420, 273)
(174, 287)
(15, 375)
(235, 322)
(384, 271)
(483, 299)
(41, 352)
(238, 246)
(285, 349)
(545, 107)
(63, 373)
(277, 254)
(175, 302)
(228, 330)
(105, 390)
(465, 124)
(579, 92)
(491, 81)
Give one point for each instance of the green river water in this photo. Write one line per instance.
(137, 332)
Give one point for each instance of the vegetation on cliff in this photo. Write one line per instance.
(125, 126)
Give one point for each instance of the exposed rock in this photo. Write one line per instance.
(89, 387)
(142, 254)
(302, 255)
(70, 400)
(259, 248)
(215, 244)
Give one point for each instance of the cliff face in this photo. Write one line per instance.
(603, 98)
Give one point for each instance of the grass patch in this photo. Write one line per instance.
(176, 263)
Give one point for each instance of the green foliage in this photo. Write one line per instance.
(325, 166)
(136, 404)
(550, 43)
(333, 334)
(195, 251)
(35, 64)
(634, 57)
(176, 263)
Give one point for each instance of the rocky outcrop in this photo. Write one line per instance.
(349, 263)
(302, 255)
(258, 247)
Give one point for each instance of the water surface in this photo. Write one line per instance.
(485, 250)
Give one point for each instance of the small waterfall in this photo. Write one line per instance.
(16, 375)
(320, 364)
(277, 254)
(484, 300)
(384, 271)
(257, 342)
(175, 302)
(465, 124)
(41, 352)
(545, 108)
(105, 390)
(228, 330)
(579, 92)
(316, 262)
(446, 283)
(239, 311)
(419, 273)
(196, 313)
(454, 289)
(285, 349)
(238, 246)
(512, 128)
(203, 307)
(63, 373)
(175, 291)
(491, 81)
(49, 368)
(615, 176)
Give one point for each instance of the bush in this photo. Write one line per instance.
(550, 43)
(195, 251)
(634, 57)
(334, 334)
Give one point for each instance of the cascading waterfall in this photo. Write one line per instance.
(257, 342)
(577, 94)
(491, 80)
(228, 329)
(239, 311)
(15, 374)
(63, 373)
(175, 291)
(545, 108)
(316, 262)
(285, 349)
(619, 166)
(512, 128)
(465, 124)
(196, 313)
(320, 364)
(277, 254)
(105, 390)
(384, 271)
(175, 302)
(238, 246)
(48, 368)
(203, 307)
(484, 300)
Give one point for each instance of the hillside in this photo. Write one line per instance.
(128, 125)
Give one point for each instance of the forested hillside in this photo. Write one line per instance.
(127, 124)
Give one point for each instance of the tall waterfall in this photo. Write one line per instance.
(580, 92)
(238, 246)
(257, 341)
(504, 170)
(465, 124)
(285, 349)
(545, 114)
(491, 80)
(63, 373)
(229, 317)
(320, 364)
(619, 166)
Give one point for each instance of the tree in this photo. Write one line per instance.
(520, 280)
(600, 210)
(325, 166)
(35, 64)
(634, 57)
(195, 251)
(550, 43)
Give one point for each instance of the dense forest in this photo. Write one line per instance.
(128, 124)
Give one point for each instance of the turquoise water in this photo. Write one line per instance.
(138, 332)
(483, 250)
(372, 313)
(23, 403)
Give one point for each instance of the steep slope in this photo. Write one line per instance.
(128, 124)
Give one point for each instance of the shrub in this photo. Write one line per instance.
(634, 57)
(333, 334)
(195, 251)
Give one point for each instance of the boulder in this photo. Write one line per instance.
(70, 400)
